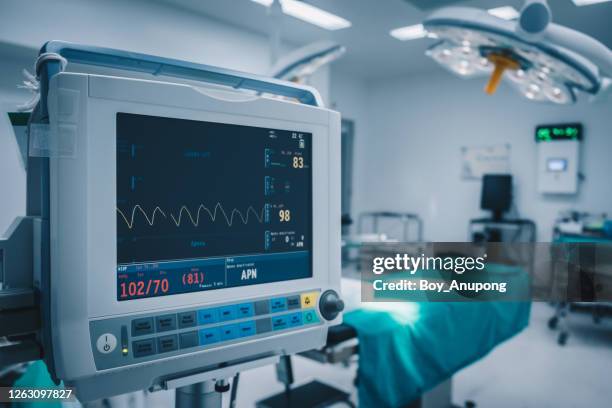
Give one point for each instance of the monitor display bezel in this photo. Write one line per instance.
(122, 119)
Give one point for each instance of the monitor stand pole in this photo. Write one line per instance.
(207, 394)
(205, 389)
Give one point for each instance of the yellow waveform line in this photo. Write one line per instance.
(194, 221)
(150, 221)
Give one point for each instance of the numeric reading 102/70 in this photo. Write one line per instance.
(144, 288)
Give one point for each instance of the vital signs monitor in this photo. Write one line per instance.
(190, 228)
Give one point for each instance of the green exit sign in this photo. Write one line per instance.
(569, 131)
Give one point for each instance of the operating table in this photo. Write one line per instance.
(405, 349)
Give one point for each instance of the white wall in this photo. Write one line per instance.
(349, 95)
(137, 25)
(411, 159)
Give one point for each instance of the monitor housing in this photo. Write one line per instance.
(140, 294)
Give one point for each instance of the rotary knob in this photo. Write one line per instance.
(330, 305)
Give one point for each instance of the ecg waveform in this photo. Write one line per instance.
(177, 220)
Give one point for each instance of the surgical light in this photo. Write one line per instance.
(310, 14)
(505, 12)
(543, 61)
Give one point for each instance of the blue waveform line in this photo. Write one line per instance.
(178, 220)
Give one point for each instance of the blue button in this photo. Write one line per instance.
(278, 305)
(280, 322)
(245, 310)
(227, 313)
(246, 329)
(209, 336)
(229, 332)
(295, 319)
(208, 316)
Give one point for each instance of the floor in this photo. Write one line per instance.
(529, 370)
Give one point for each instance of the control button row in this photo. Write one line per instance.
(291, 320)
(160, 324)
(164, 344)
(225, 313)
(234, 331)
(227, 332)
(258, 308)
(169, 322)
(208, 336)
(148, 347)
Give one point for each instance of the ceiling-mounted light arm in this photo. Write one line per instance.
(535, 22)
(591, 49)
(535, 16)
(301, 63)
(275, 14)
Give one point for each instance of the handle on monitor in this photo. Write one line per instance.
(154, 65)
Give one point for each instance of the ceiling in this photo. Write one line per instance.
(371, 52)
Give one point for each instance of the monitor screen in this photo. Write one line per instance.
(496, 192)
(204, 205)
(556, 165)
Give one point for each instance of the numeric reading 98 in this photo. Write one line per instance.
(284, 215)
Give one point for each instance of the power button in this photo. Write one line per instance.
(106, 343)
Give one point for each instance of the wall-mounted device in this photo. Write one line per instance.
(558, 152)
